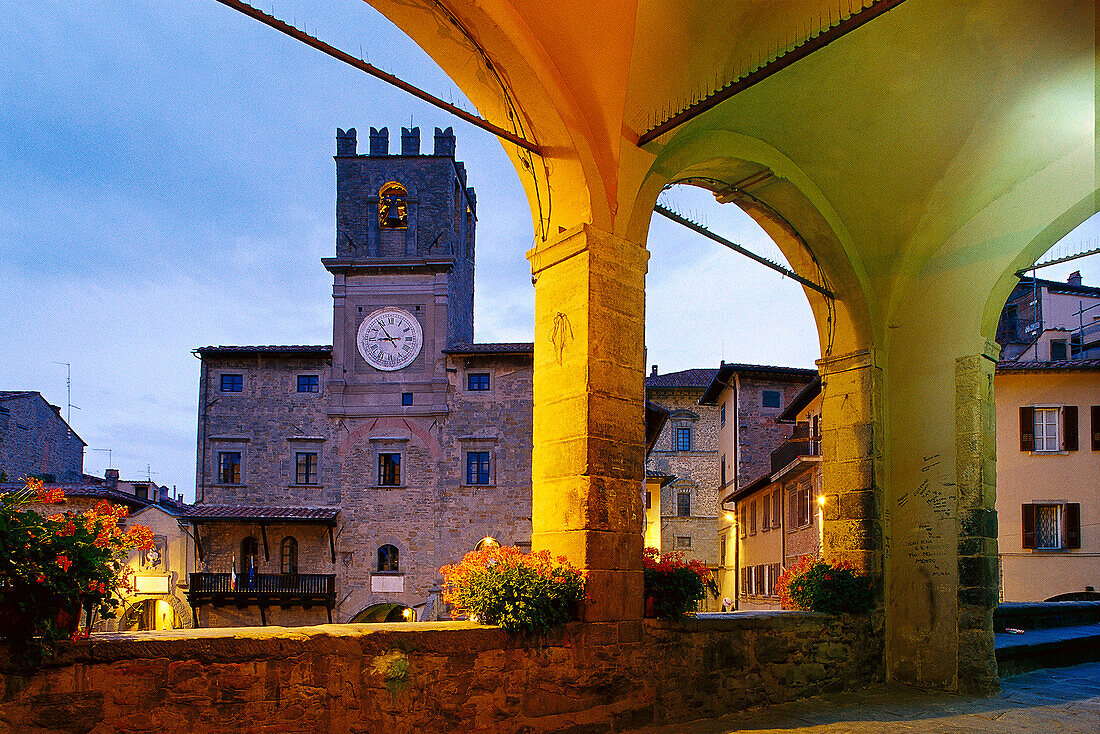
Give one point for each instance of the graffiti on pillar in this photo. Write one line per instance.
(925, 546)
(562, 330)
(934, 490)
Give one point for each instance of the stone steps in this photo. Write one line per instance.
(1055, 634)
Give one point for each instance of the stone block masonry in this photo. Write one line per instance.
(438, 677)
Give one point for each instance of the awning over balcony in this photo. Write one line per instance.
(262, 516)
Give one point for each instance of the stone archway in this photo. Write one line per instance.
(931, 191)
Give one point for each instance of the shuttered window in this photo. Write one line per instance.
(1096, 428)
(1051, 429)
(1051, 526)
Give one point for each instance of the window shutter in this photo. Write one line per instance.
(1027, 428)
(1029, 525)
(1069, 427)
(1073, 525)
(1096, 428)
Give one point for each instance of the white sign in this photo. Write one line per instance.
(151, 584)
(388, 583)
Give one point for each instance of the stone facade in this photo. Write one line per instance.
(689, 503)
(453, 425)
(36, 440)
(457, 677)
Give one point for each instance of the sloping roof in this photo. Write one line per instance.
(1059, 286)
(230, 513)
(86, 491)
(1066, 365)
(492, 348)
(684, 378)
(724, 374)
(9, 394)
(801, 400)
(325, 349)
(663, 478)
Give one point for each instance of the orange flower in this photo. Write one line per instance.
(47, 496)
(64, 562)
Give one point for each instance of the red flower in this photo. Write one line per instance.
(64, 562)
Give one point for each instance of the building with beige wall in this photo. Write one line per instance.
(1048, 477)
(777, 518)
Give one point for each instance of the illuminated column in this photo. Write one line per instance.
(589, 422)
(851, 387)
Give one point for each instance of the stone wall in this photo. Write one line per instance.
(35, 440)
(439, 677)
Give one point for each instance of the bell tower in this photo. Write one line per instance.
(403, 275)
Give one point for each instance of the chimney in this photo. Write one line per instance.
(111, 478)
(1074, 278)
(380, 141)
(654, 372)
(410, 141)
(345, 141)
(445, 142)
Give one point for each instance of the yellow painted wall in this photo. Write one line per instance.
(1025, 477)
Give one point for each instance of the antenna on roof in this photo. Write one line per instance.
(108, 457)
(68, 394)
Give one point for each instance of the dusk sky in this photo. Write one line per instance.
(167, 182)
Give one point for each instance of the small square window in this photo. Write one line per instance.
(232, 383)
(772, 399)
(308, 383)
(406, 398)
(305, 467)
(683, 439)
(1058, 350)
(141, 491)
(683, 541)
(389, 470)
(229, 467)
(477, 467)
(477, 381)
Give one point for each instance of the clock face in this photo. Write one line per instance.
(390, 339)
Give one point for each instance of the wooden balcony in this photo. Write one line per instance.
(793, 448)
(263, 590)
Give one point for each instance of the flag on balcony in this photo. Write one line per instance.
(233, 573)
(252, 572)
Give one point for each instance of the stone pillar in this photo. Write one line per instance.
(589, 422)
(939, 523)
(851, 399)
(976, 480)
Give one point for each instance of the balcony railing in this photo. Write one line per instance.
(275, 587)
(792, 449)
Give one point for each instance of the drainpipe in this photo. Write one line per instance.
(736, 486)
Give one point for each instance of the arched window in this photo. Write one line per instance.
(250, 548)
(486, 543)
(387, 559)
(393, 207)
(289, 558)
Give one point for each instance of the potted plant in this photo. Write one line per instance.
(54, 568)
(673, 586)
(817, 585)
(530, 592)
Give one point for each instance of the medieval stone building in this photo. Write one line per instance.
(334, 481)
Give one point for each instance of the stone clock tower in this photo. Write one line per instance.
(403, 274)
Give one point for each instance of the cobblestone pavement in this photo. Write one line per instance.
(1049, 701)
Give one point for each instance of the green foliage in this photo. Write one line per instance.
(52, 567)
(815, 585)
(675, 586)
(521, 593)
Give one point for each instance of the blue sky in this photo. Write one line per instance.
(166, 182)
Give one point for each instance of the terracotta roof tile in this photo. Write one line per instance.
(492, 348)
(268, 349)
(237, 512)
(1068, 365)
